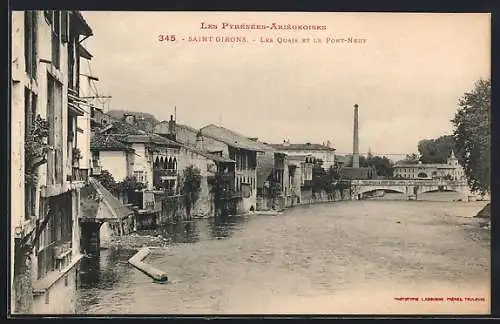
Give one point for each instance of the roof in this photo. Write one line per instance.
(122, 127)
(109, 142)
(301, 157)
(356, 173)
(234, 139)
(210, 156)
(130, 134)
(99, 203)
(84, 52)
(150, 138)
(157, 128)
(425, 165)
(83, 26)
(302, 147)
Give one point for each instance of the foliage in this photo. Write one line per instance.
(324, 180)
(76, 155)
(274, 190)
(412, 158)
(472, 135)
(383, 166)
(362, 162)
(36, 148)
(436, 150)
(220, 186)
(129, 184)
(191, 187)
(107, 180)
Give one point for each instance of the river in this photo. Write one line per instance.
(351, 257)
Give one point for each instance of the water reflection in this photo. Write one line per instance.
(101, 270)
(178, 232)
(224, 226)
(195, 231)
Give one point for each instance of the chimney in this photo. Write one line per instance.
(171, 128)
(199, 142)
(355, 150)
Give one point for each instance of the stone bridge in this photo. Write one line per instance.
(410, 188)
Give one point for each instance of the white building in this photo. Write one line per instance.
(321, 152)
(45, 83)
(450, 170)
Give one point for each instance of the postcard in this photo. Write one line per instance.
(217, 163)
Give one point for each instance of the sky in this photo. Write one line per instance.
(406, 76)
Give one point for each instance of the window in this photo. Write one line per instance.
(30, 40)
(56, 38)
(56, 238)
(64, 26)
(139, 176)
(55, 139)
(30, 116)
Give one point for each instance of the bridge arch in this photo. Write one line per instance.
(367, 189)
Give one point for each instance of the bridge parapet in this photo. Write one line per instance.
(387, 183)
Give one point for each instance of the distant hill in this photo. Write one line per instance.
(144, 121)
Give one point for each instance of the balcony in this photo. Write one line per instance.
(96, 168)
(225, 177)
(228, 195)
(74, 102)
(165, 172)
(79, 174)
(307, 183)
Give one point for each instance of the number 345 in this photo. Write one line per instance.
(167, 38)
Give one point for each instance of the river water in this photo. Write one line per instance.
(351, 257)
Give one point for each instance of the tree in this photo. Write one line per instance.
(472, 135)
(362, 161)
(436, 150)
(191, 187)
(383, 166)
(107, 180)
(129, 184)
(411, 158)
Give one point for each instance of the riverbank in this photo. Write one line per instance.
(135, 241)
(339, 252)
(154, 238)
(485, 212)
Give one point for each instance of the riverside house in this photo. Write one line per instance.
(323, 152)
(129, 153)
(45, 168)
(230, 146)
(158, 162)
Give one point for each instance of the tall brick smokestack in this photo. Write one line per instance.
(355, 149)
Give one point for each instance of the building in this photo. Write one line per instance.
(451, 170)
(45, 175)
(351, 173)
(126, 151)
(325, 153)
(156, 161)
(231, 146)
(173, 130)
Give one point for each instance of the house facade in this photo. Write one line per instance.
(451, 170)
(325, 153)
(45, 174)
(230, 146)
